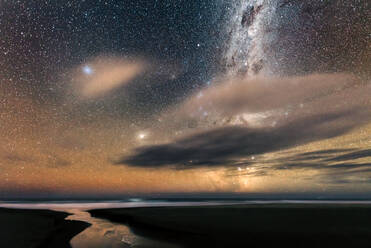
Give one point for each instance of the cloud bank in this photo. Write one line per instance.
(311, 108)
(265, 94)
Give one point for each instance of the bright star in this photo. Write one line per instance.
(87, 70)
(142, 136)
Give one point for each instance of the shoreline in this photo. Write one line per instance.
(239, 225)
(119, 204)
(31, 228)
(291, 225)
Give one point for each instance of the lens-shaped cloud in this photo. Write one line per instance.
(333, 105)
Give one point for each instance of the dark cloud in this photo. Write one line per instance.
(337, 173)
(324, 152)
(353, 155)
(319, 165)
(336, 158)
(341, 177)
(55, 161)
(227, 145)
(338, 166)
(16, 158)
(334, 105)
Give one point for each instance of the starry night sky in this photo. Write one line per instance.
(43, 38)
(104, 98)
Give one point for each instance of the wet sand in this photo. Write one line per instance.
(37, 229)
(262, 225)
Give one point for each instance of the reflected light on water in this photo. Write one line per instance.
(101, 233)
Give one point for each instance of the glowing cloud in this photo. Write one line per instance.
(104, 74)
(299, 110)
(261, 94)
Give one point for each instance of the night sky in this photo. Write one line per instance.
(42, 39)
(102, 98)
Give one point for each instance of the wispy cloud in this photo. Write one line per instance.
(101, 75)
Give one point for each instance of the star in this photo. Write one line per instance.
(87, 70)
(142, 136)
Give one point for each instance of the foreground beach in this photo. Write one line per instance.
(261, 225)
(194, 225)
(37, 229)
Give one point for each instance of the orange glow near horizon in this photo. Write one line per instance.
(43, 149)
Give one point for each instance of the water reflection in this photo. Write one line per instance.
(105, 234)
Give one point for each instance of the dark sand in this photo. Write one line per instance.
(270, 225)
(37, 229)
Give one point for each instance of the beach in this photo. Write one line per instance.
(261, 225)
(30, 228)
(187, 224)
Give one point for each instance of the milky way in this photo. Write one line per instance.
(90, 87)
(285, 37)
